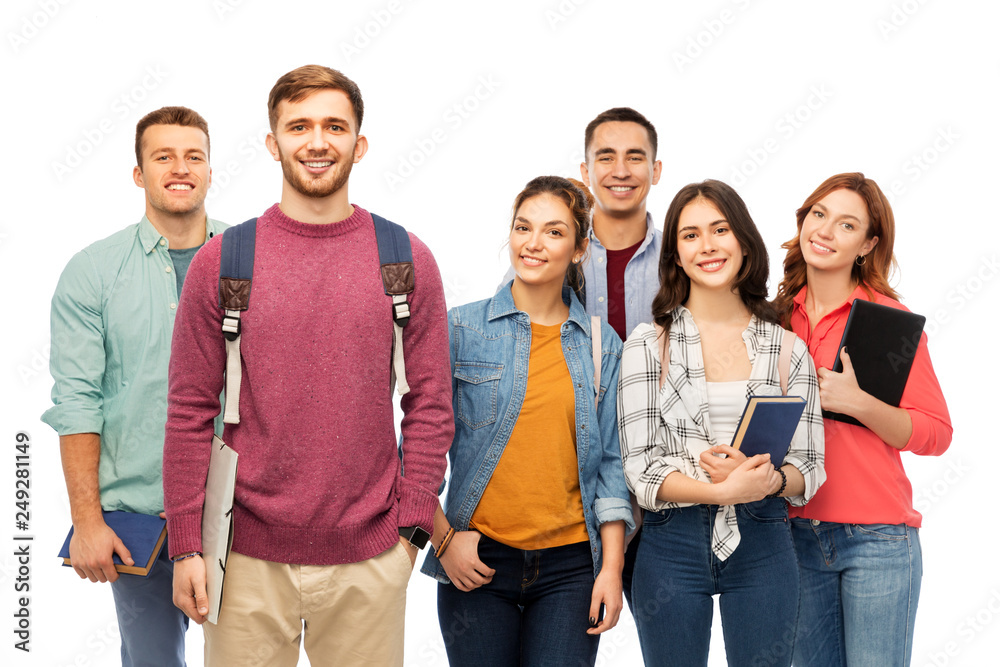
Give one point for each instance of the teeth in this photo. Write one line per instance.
(178, 186)
(532, 261)
(318, 165)
(818, 248)
(711, 265)
(621, 188)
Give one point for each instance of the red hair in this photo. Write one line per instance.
(879, 264)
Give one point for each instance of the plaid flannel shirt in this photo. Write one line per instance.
(662, 430)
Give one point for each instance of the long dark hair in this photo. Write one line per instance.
(580, 202)
(879, 264)
(751, 281)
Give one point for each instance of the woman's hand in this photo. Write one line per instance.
(839, 392)
(607, 591)
(720, 468)
(461, 562)
(752, 480)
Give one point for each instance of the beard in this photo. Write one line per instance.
(316, 186)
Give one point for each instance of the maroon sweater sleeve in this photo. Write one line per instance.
(197, 362)
(428, 425)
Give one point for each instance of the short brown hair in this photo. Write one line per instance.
(619, 115)
(306, 80)
(168, 116)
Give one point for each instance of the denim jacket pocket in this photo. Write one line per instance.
(653, 519)
(476, 400)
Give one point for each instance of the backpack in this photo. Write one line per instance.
(236, 278)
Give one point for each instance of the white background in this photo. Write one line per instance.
(772, 97)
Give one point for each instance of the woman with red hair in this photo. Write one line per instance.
(856, 539)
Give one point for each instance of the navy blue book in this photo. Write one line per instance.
(143, 535)
(767, 426)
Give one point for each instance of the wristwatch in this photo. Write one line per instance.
(415, 535)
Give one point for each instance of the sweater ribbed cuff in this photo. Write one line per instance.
(183, 534)
(416, 506)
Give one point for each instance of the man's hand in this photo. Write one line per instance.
(411, 550)
(91, 550)
(189, 588)
(461, 562)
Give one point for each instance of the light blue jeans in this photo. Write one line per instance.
(860, 585)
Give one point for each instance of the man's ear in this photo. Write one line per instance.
(360, 148)
(657, 168)
(272, 146)
(137, 176)
(585, 174)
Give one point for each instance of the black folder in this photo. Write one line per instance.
(882, 342)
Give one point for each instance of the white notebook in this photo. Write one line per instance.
(217, 522)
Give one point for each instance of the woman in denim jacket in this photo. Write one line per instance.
(531, 545)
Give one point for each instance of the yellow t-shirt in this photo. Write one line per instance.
(533, 499)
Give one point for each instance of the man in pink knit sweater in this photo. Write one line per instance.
(326, 522)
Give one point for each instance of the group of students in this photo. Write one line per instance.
(562, 440)
(556, 422)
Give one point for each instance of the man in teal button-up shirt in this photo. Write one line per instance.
(112, 319)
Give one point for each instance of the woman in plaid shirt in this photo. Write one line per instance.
(713, 525)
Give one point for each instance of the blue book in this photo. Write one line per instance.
(142, 534)
(767, 426)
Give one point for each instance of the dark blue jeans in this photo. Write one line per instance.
(535, 612)
(676, 575)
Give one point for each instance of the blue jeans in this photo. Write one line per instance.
(676, 575)
(152, 628)
(860, 585)
(535, 611)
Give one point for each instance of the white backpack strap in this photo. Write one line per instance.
(234, 369)
(595, 345)
(401, 313)
(785, 359)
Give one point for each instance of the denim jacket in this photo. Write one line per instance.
(490, 342)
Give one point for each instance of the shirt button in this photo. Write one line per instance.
(815, 522)
(600, 259)
(163, 242)
(173, 306)
(601, 299)
(168, 269)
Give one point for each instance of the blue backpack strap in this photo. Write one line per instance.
(395, 257)
(235, 281)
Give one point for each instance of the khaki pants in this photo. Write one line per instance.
(353, 613)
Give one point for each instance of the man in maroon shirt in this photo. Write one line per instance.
(326, 523)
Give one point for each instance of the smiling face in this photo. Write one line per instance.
(174, 171)
(621, 167)
(316, 141)
(835, 232)
(707, 249)
(543, 240)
